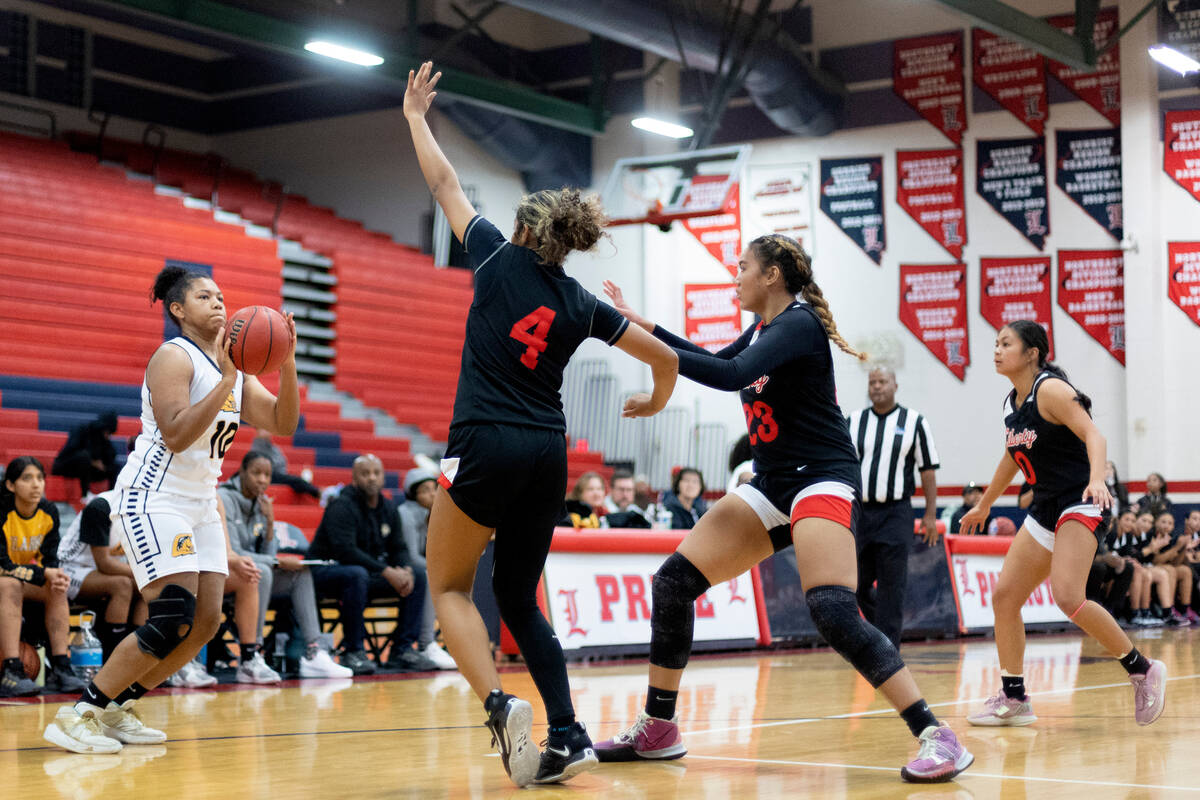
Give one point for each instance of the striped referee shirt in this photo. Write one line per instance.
(889, 447)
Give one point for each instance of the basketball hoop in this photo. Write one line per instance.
(658, 190)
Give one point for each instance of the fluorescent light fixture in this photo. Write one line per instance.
(662, 128)
(1171, 58)
(341, 53)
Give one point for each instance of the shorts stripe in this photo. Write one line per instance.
(1086, 514)
(826, 500)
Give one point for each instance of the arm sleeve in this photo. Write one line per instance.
(342, 540)
(95, 524)
(50, 542)
(607, 323)
(927, 456)
(794, 338)
(397, 550)
(680, 344)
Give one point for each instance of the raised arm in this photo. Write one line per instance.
(439, 175)
(261, 409)
(662, 334)
(168, 377)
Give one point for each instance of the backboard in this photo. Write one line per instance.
(661, 189)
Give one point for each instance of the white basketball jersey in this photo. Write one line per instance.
(195, 471)
(72, 549)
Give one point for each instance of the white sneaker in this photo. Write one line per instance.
(79, 733)
(322, 666)
(256, 671)
(191, 675)
(434, 652)
(122, 722)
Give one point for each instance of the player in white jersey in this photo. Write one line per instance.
(167, 513)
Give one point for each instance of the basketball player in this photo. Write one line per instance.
(193, 399)
(1051, 439)
(505, 468)
(805, 491)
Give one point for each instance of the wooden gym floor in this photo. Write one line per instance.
(788, 724)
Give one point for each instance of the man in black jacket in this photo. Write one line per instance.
(361, 530)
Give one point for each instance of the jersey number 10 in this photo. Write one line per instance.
(531, 330)
(221, 439)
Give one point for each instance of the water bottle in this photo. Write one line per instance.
(663, 519)
(86, 655)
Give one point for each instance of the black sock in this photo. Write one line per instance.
(93, 696)
(1014, 686)
(61, 663)
(248, 651)
(660, 703)
(1134, 662)
(15, 666)
(918, 717)
(496, 699)
(559, 728)
(135, 692)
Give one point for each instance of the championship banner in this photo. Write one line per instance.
(1183, 277)
(712, 316)
(933, 305)
(1012, 75)
(1016, 288)
(852, 196)
(1100, 88)
(1181, 149)
(1011, 176)
(929, 186)
(1089, 171)
(720, 233)
(779, 200)
(1091, 289)
(927, 73)
(1179, 26)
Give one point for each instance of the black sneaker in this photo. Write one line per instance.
(409, 660)
(13, 682)
(63, 681)
(358, 661)
(511, 722)
(568, 758)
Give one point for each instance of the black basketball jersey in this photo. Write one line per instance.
(784, 371)
(525, 322)
(1053, 459)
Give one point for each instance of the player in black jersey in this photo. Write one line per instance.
(805, 490)
(505, 469)
(1050, 438)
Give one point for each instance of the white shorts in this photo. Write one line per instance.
(166, 534)
(1088, 514)
(77, 573)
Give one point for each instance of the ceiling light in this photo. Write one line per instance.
(1171, 58)
(341, 53)
(662, 128)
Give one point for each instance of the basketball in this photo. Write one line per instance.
(31, 660)
(1002, 526)
(259, 339)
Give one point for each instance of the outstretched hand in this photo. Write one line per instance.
(418, 97)
(618, 300)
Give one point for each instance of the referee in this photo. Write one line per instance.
(891, 441)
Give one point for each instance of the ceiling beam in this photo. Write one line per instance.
(1033, 32)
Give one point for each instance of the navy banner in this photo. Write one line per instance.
(1089, 171)
(1011, 176)
(852, 196)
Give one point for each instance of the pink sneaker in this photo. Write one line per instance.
(1001, 711)
(1149, 693)
(1192, 616)
(940, 758)
(648, 737)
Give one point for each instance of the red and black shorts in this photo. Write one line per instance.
(782, 500)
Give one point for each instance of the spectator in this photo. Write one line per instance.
(585, 503)
(623, 510)
(1191, 548)
(1125, 542)
(420, 489)
(1151, 545)
(29, 560)
(88, 455)
(250, 522)
(1119, 492)
(262, 444)
(741, 465)
(644, 496)
(686, 501)
(971, 494)
(361, 528)
(1172, 558)
(1155, 499)
(1109, 580)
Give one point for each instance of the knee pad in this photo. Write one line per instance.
(835, 613)
(169, 623)
(673, 592)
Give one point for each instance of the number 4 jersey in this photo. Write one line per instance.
(194, 471)
(526, 320)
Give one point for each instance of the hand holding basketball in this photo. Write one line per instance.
(224, 361)
(418, 97)
(260, 339)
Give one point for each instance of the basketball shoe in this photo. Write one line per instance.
(940, 758)
(648, 737)
(123, 723)
(1149, 693)
(79, 732)
(510, 720)
(573, 755)
(1003, 711)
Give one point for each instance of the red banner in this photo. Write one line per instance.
(720, 233)
(927, 73)
(929, 186)
(1183, 277)
(1016, 288)
(1091, 289)
(712, 316)
(933, 305)
(1099, 88)
(1012, 75)
(1181, 149)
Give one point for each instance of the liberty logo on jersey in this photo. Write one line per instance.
(572, 613)
(758, 385)
(1024, 439)
(183, 546)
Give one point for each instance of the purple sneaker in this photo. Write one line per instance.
(1192, 616)
(1149, 693)
(940, 758)
(1003, 711)
(649, 738)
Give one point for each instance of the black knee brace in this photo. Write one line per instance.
(169, 623)
(673, 591)
(834, 611)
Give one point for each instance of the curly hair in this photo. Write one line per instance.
(561, 221)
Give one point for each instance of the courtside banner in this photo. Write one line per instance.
(1016, 288)
(1183, 277)
(929, 186)
(1100, 88)
(1091, 289)
(1181, 149)
(1010, 174)
(1012, 75)
(852, 196)
(712, 316)
(720, 233)
(779, 200)
(1089, 171)
(603, 599)
(933, 305)
(927, 73)
(975, 577)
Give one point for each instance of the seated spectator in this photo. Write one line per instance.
(741, 465)
(585, 504)
(420, 489)
(1191, 548)
(686, 501)
(1117, 489)
(29, 571)
(1150, 550)
(262, 444)
(971, 494)
(1171, 557)
(622, 511)
(644, 496)
(88, 455)
(1155, 500)
(250, 521)
(361, 528)
(1109, 580)
(1125, 542)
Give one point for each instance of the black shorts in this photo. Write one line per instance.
(495, 473)
(782, 499)
(1046, 514)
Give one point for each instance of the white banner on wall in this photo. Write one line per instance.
(603, 599)
(975, 578)
(777, 198)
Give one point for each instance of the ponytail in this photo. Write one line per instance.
(1033, 335)
(561, 221)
